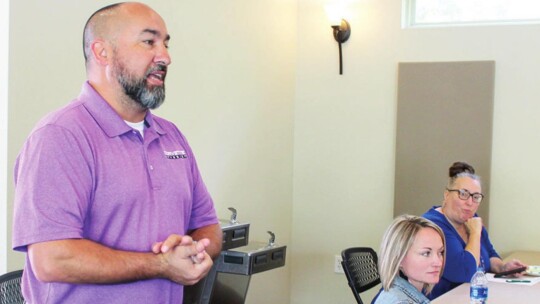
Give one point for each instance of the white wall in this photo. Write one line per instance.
(345, 133)
(230, 89)
(344, 145)
(4, 37)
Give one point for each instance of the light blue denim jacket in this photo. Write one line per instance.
(401, 292)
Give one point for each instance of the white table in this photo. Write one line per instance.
(503, 293)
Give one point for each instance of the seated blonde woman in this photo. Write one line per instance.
(411, 260)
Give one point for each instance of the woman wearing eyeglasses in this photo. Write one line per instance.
(467, 241)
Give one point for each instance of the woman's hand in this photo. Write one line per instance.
(513, 264)
(474, 226)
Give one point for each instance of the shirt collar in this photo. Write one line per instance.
(408, 289)
(106, 117)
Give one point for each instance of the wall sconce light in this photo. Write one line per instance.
(342, 33)
(342, 29)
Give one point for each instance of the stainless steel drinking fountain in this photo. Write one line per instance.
(228, 280)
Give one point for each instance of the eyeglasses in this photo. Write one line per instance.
(464, 194)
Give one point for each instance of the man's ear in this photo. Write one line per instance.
(100, 52)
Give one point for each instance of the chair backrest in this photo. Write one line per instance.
(360, 267)
(10, 288)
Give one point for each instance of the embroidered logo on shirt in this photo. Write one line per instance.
(175, 154)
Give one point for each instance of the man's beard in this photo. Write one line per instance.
(137, 89)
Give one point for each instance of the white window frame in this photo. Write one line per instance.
(4, 60)
(409, 19)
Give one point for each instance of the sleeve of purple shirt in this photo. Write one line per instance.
(52, 182)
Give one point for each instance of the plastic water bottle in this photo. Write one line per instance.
(479, 287)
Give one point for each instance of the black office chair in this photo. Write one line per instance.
(360, 267)
(10, 288)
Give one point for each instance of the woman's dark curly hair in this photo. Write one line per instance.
(461, 169)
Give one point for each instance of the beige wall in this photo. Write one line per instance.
(345, 133)
(243, 68)
(4, 34)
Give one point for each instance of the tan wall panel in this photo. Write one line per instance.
(445, 114)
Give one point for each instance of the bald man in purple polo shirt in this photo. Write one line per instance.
(110, 206)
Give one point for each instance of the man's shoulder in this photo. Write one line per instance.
(67, 116)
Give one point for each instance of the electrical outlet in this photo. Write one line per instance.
(338, 268)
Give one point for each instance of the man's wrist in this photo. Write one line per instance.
(162, 265)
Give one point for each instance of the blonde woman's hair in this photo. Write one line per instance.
(397, 241)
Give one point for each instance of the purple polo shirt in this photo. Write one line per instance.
(84, 173)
